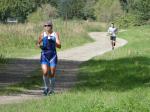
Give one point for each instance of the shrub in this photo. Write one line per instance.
(108, 10)
(128, 20)
(43, 13)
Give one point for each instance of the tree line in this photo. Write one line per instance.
(101, 10)
(123, 12)
(20, 9)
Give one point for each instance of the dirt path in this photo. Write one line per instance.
(69, 61)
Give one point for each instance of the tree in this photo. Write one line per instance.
(108, 10)
(19, 8)
(70, 8)
(140, 8)
(124, 4)
(43, 13)
(88, 9)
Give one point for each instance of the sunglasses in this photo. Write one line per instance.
(47, 25)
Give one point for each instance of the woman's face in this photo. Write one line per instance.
(48, 27)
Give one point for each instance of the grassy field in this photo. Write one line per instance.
(18, 40)
(118, 81)
(73, 33)
(123, 69)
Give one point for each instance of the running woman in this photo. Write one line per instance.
(112, 32)
(48, 41)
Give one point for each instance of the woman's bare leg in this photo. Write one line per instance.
(45, 77)
(52, 78)
(112, 43)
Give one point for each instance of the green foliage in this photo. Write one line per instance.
(16, 8)
(128, 20)
(113, 10)
(125, 12)
(43, 13)
(95, 27)
(114, 82)
(67, 8)
(88, 10)
(70, 8)
(19, 9)
(124, 69)
(138, 10)
(87, 101)
(141, 7)
(54, 3)
(19, 40)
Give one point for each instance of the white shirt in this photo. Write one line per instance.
(112, 31)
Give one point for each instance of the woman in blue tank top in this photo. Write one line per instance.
(48, 41)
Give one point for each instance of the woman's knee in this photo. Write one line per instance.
(45, 70)
(45, 73)
(52, 74)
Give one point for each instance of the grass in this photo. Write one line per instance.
(19, 40)
(86, 101)
(32, 81)
(124, 69)
(75, 34)
(114, 82)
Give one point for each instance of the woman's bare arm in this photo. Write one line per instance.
(58, 43)
(39, 40)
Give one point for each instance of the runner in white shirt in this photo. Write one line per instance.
(112, 32)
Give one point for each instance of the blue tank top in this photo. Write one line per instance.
(49, 42)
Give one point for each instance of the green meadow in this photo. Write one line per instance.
(123, 69)
(118, 81)
(22, 44)
(18, 40)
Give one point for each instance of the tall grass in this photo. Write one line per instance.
(18, 40)
(73, 33)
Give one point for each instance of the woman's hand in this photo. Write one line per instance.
(58, 44)
(39, 41)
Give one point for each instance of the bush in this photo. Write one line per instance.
(113, 11)
(141, 8)
(128, 20)
(43, 13)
